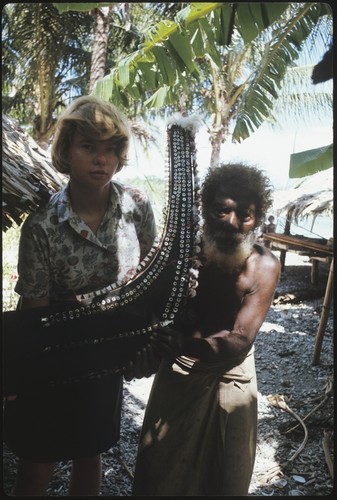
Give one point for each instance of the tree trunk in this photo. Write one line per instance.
(98, 57)
(216, 139)
(44, 123)
(220, 121)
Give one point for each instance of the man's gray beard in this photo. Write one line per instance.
(229, 258)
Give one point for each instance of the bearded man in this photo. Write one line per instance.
(199, 431)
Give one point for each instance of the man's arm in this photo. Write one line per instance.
(226, 345)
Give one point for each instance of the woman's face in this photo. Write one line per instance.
(92, 162)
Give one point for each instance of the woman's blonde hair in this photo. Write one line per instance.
(92, 118)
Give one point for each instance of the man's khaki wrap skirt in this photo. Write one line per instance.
(199, 431)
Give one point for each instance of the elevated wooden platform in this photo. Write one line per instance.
(316, 249)
(317, 252)
(305, 246)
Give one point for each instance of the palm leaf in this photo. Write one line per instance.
(80, 7)
(158, 98)
(255, 17)
(267, 76)
(196, 32)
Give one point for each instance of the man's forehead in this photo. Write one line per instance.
(236, 193)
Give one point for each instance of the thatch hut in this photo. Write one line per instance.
(28, 177)
(311, 199)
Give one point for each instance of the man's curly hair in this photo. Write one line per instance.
(240, 182)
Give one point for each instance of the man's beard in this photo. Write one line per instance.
(228, 250)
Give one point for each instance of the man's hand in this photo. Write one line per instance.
(166, 342)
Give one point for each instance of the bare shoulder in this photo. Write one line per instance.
(262, 272)
(264, 259)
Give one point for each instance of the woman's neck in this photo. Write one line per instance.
(91, 205)
(89, 200)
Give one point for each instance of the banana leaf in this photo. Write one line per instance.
(311, 161)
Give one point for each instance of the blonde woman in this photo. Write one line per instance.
(92, 233)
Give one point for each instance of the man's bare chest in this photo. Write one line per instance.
(218, 298)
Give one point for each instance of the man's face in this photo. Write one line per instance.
(228, 221)
(229, 225)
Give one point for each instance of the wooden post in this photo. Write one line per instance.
(286, 231)
(324, 316)
(314, 271)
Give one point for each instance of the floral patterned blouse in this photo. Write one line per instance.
(59, 255)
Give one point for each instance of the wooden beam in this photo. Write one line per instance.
(299, 244)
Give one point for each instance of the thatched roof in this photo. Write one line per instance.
(313, 197)
(310, 205)
(28, 177)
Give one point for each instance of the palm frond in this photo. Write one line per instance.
(266, 79)
(174, 50)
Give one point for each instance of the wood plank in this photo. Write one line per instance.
(299, 244)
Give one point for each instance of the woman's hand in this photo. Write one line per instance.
(145, 364)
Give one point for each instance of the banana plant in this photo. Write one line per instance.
(225, 60)
(172, 52)
(228, 60)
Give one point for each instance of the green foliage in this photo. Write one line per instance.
(244, 50)
(173, 51)
(223, 60)
(81, 7)
(311, 161)
(45, 53)
(278, 53)
(253, 18)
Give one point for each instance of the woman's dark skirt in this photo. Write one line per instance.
(65, 422)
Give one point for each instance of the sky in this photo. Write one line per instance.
(270, 150)
(267, 149)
